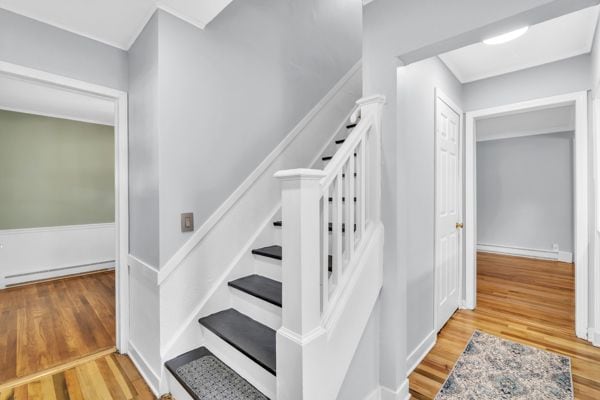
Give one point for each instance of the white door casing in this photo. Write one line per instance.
(119, 98)
(580, 101)
(448, 208)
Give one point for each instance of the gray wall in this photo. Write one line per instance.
(143, 146)
(34, 44)
(416, 110)
(595, 56)
(560, 77)
(229, 94)
(525, 192)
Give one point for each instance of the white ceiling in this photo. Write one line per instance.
(114, 22)
(536, 122)
(33, 98)
(556, 39)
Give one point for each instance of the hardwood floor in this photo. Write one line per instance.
(47, 324)
(524, 300)
(110, 377)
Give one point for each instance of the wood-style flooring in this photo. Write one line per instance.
(110, 377)
(524, 300)
(47, 324)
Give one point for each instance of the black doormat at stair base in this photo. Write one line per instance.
(210, 379)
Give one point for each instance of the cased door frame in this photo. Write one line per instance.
(594, 333)
(580, 101)
(121, 178)
(446, 99)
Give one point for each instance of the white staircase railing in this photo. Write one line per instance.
(330, 218)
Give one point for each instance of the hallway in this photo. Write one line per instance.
(525, 300)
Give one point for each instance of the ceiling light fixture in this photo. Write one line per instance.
(506, 37)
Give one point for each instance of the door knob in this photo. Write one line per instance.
(459, 225)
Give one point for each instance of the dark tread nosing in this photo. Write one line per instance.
(340, 141)
(269, 251)
(276, 253)
(250, 337)
(259, 286)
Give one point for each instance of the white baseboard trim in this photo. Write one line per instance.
(594, 336)
(151, 378)
(563, 256)
(20, 279)
(418, 354)
(401, 393)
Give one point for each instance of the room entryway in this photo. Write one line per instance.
(64, 226)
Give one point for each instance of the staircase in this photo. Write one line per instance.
(290, 320)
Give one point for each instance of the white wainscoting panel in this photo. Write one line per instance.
(144, 340)
(44, 253)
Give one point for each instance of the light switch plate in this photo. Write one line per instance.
(187, 222)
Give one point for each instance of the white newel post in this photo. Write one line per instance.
(301, 277)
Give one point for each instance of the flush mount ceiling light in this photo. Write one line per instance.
(506, 37)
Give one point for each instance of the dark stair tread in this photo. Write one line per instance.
(250, 337)
(269, 251)
(280, 223)
(344, 175)
(340, 141)
(275, 252)
(351, 126)
(258, 286)
(327, 158)
(186, 358)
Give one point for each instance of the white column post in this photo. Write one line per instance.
(301, 278)
(372, 108)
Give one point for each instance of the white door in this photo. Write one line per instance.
(447, 211)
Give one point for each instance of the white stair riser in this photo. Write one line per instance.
(244, 366)
(257, 309)
(267, 267)
(177, 391)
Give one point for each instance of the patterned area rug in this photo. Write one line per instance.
(494, 368)
(210, 379)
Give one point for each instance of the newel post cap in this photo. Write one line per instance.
(300, 174)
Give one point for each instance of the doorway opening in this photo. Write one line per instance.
(578, 103)
(62, 111)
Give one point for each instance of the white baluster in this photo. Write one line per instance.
(362, 224)
(325, 251)
(350, 207)
(336, 230)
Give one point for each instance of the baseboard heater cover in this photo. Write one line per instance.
(562, 256)
(22, 278)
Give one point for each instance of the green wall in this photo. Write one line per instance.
(54, 172)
